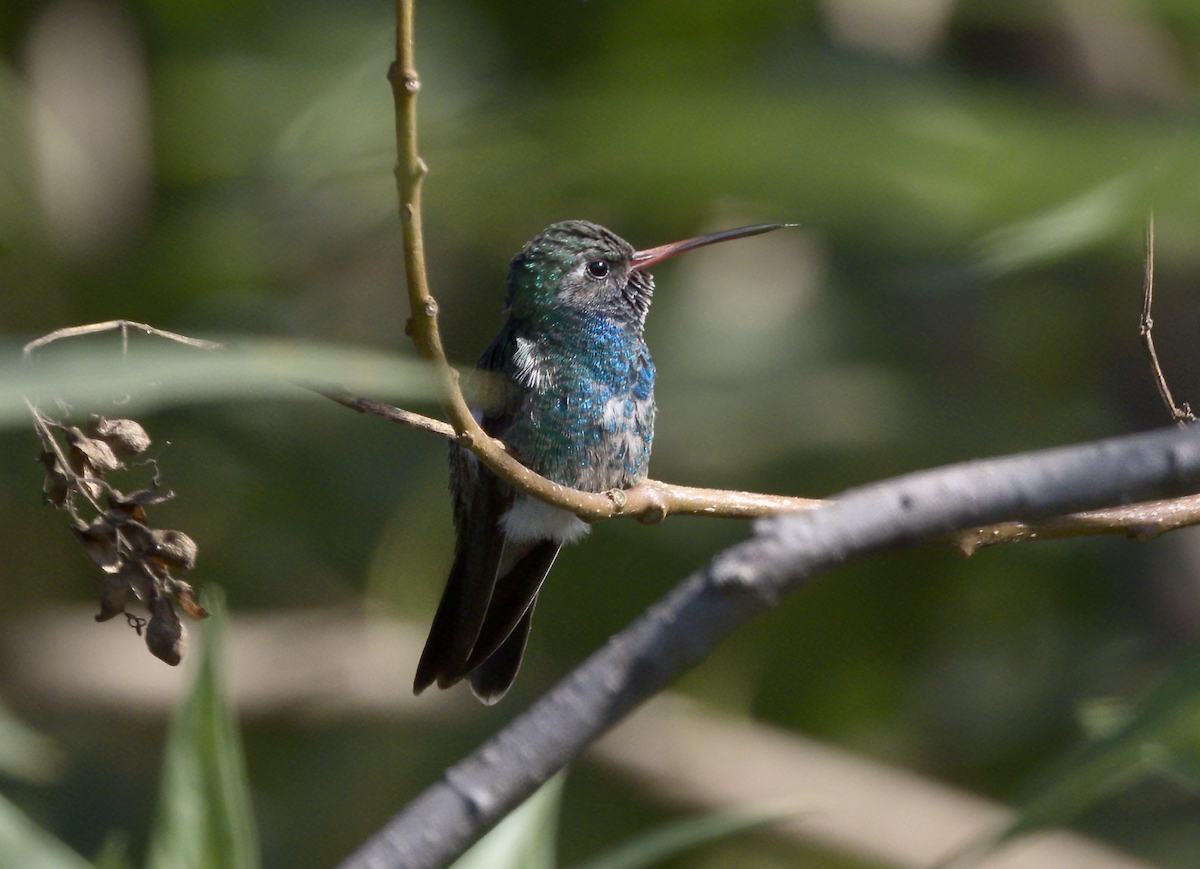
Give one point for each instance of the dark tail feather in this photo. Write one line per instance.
(512, 601)
(461, 612)
(491, 680)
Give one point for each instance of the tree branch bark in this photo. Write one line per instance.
(743, 581)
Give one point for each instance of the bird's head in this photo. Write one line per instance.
(576, 265)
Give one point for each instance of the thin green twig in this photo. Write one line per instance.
(651, 501)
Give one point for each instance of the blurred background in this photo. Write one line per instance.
(972, 179)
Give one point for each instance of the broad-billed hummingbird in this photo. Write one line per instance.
(569, 388)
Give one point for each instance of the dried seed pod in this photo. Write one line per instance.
(166, 549)
(125, 436)
(99, 541)
(186, 597)
(114, 596)
(50, 460)
(137, 558)
(56, 489)
(134, 504)
(138, 536)
(88, 456)
(165, 636)
(174, 549)
(141, 580)
(56, 486)
(123, 509)
(142, 498)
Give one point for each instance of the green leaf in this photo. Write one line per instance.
(205, 820)
(26, 754)
(1140, 744)
(23, 843)
(1090, 218)
(523, 840)
(669, 840)
(114, 853)
(156, 373)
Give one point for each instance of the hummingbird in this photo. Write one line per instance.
(568, 386)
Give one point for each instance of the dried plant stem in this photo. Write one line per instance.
(386, 411)
(112, 325)
(1180, 414)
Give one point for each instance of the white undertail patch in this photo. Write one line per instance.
(530, 520)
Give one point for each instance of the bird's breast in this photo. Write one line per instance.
(586, 413)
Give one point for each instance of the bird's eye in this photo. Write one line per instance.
(597, 268)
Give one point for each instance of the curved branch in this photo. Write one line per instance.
(654, 500)
(649, 501)
(743, 581)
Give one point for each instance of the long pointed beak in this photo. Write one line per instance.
(643, 259)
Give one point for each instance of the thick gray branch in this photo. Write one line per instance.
(679, 631)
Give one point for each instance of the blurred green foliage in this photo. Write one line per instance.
(204, 817)
(967, 282)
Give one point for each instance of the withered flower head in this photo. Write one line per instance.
(88, 456)
(126, 437)
(136, 557)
